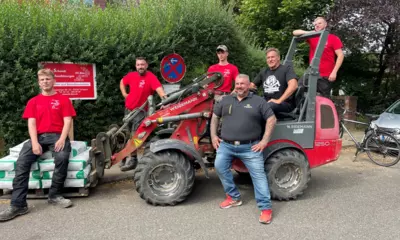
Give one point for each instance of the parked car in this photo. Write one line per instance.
(390, 119)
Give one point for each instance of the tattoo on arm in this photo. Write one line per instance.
(269, 128)
(214, 125)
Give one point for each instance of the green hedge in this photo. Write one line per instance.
(110, 38)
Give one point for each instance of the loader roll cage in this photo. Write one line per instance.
(305, 103)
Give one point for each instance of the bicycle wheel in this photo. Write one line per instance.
(383, 149)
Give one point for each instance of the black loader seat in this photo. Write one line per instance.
(298, 101)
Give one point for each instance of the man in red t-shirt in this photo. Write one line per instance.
(228, 71)
(332, 56)
(142, 84)
(49, 117)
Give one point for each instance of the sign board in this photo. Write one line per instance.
(169, 88)
(74, 80)
(173, 68)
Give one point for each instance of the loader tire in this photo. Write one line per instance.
(164, 178)
(288, 174)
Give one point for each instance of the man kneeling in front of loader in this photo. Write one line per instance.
(49, 117)
(245, 116)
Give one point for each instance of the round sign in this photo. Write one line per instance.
(173, 68)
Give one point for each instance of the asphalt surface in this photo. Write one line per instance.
(344, 200)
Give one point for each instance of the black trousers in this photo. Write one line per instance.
(25, 160)
(324, 86)
(283, 107)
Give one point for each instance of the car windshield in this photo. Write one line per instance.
(395, 108)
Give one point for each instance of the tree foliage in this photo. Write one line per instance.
(370, 30)
(272, 21)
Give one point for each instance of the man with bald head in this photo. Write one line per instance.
(331, 60)
(245, 116)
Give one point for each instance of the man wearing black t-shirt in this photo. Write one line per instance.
(279, 82)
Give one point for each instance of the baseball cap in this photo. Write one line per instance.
(222, 47)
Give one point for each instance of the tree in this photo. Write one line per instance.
(370, 29)
(272, 21)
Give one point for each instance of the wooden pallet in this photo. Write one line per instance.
(43, 193)
(67, 192)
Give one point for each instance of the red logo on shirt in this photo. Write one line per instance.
(55, 104)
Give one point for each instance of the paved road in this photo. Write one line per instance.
(345, 200)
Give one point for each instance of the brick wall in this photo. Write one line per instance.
(350, 103)
(101, 3)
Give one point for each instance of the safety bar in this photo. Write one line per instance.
(309, 35)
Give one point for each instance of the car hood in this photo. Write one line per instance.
(388, 120)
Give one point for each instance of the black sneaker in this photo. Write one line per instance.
(12, 212)
(122, 163)
(130, 164)
(60, 201)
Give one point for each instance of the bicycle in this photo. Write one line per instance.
(381, 146)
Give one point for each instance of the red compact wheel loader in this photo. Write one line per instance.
(173, 139)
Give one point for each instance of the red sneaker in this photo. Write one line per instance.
(266, 216)
(229, 202)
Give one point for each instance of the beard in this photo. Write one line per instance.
(241, 92)
(142, 72)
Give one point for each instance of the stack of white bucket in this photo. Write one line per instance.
(42, 170)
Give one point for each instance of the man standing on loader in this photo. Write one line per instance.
(228, 71)
(242, 137)
(49, 117)
(142, 84)
(328, 67)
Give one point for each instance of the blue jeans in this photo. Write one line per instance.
(254, 161)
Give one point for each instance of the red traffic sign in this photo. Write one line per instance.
(173, 68)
